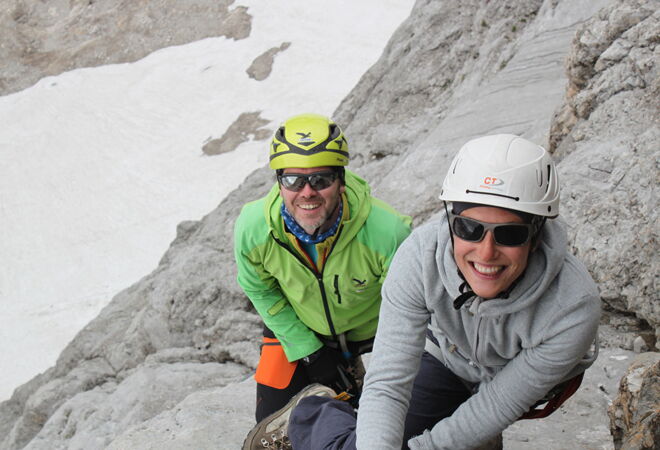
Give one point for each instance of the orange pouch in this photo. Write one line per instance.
(274, 369)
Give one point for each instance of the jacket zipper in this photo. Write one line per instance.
(326, 306)
(475, 356)
(319, 277)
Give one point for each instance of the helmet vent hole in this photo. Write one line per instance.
(334, 131)
(547, 186)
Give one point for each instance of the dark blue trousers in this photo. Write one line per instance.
(320, 423)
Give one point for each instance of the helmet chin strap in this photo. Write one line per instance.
(464, 296)
(467, 293)
(451, 233)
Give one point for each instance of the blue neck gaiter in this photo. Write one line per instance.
(302, 235)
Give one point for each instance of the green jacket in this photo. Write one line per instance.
(294, 299)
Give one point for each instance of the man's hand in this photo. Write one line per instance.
(329, 367)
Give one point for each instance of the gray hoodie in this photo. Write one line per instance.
(516, 348)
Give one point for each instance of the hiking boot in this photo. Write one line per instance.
(271, 433)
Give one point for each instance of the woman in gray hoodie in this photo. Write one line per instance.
(485, 314)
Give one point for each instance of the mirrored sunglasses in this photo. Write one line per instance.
(296, 181)
(507, 234)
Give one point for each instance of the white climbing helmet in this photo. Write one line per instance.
(505, 171)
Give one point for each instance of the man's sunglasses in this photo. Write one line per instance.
(507, 234)
(296, 181)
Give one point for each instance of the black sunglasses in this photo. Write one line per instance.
(296, 181)
(507, 234)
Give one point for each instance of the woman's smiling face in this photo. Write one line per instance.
(490, 268)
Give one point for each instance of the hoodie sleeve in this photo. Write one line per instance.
(397, 352)
(263, 289)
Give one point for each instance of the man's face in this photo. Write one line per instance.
(313, 209)
(490, 268)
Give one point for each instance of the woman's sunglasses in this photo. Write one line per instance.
(296, 181)
(507, 234)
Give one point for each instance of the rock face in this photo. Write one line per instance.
(504, 72)
(635, 413)
(606, 136)
(187, 317)
(166, 363)
(47, 38)
(434, 60)
(246, 126)
(263, 64)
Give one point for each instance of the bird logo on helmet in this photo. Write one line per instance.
(308, 140)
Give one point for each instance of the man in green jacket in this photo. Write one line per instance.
(312, 256)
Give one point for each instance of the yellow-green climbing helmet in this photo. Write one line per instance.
(308, 140)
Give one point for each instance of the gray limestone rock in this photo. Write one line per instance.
(437, 56)
(485, 95)
(262, 65)
(606, 135)
(635, 412)
(94, 417)
(217, 418)
(248, 125)
(47, 38)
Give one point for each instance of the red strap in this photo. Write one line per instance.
(568, 389)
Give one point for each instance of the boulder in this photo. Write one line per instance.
(635, 413)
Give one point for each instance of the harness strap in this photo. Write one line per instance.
(352, 347)
(555, 398)
(432, 348)
(343, 346)
(544, 407)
